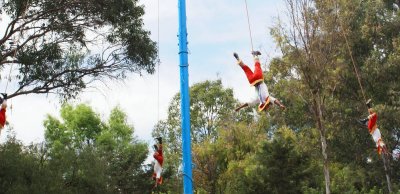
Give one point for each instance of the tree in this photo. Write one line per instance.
(50, 43)
(211, 106)
(25, 168)
(81, 127)
(236, 150)
(309, 48)
(281, 166)
(91, 156)
(324, 45)
(210, 103)
(378, 61)
(125, 155)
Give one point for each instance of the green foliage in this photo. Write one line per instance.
(209, 103)
(53, 41)
(278, 152)
(316, 73)
(25, 170)
(117, 156)
(315, 78)
(239, 143)
(279, 162)
(82, 154)
(211, 107)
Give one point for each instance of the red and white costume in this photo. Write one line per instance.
(375, 132)
(256, 79)
(3, 114)
(159, 159)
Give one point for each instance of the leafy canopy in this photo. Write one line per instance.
(60, 46)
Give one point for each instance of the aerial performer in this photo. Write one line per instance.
(256, 79)
(371, 123)
(3, 102)
(159, 159)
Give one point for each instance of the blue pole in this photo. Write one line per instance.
(185, 111)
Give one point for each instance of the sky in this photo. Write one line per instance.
(216, 29)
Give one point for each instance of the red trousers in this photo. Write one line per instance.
(253, 77)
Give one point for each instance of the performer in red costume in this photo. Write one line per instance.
(371, 123)
(3, 102)
(256, 79)
(159, 159)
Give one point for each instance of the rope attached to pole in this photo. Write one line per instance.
(248, 22)
(352, 58)
(354, 66)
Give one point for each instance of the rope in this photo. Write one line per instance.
(354, 66)
(158, 60)
(9, 75)
(352, 58)
(16, 42)
(248, 22)
(385, 151)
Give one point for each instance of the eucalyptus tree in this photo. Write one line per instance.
(61, 46)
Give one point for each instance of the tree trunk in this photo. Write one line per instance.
(385, 165)
(326, 161)
(321, 129)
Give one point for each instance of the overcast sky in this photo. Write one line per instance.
(216, 29)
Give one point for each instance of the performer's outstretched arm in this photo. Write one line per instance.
(241, 106)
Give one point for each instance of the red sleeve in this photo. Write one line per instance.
(160, 149)
(2, 117)
(372, 120)
(159, 158)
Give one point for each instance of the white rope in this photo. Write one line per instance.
(248, 22)
(16, 42)
(158, 60)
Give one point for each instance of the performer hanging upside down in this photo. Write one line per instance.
(159, 159)
(256, 79)
(3, 102)
(373, 129)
